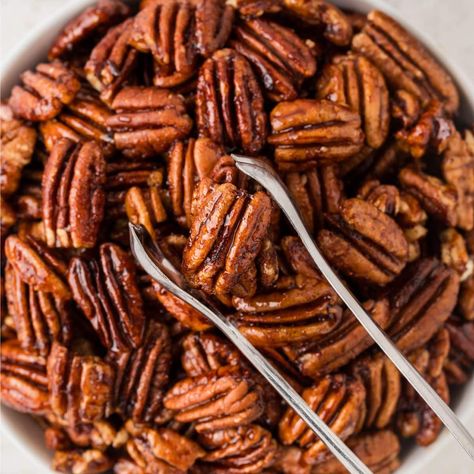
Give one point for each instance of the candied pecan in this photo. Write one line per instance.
(107, 292)
(27, 200)
(289, 460)
(246, 449)
(437, 198)
(147, 121)
(229, 102)
(352, 80)
(298, 258)
(421, 299)
(81, 461)
(405, 63)
(364, 243)
(315, 192)
(460, 361)
(466, 298)
(385, 197)
(219, 399)
(112, 61)
(7, 218)
(339, 401)
(17, 145)
(142, 375)
(280, 57)
(73, 194)
(99, 435)
(340, 346)
(458, 171)
(308, 132)
(405, 108)
(81, 386)
(23, 379)
(44, 92)
(256, 8)
(453, 251)
(335, 26)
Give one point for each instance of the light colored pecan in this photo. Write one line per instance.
(438, 199)
(17, 146)
(106, 290)
(352, 80)
(422, 299)
(454, 252)
(81, 461)
(73, 194)
(124, 465)
(405, 63)
(405, 107)
(339, 401)
(246, 449)
(147, 121)
(44, 91)
(460, 361)
(309, 132)
(219, 399)
(256, 8)
(364, 243)
(280, 57)
(92, 20)
(229, 102)
(23, 379)
(112, 61)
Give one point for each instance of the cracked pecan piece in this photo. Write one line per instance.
(81, 461)
(308, 132)
(17, 145)
(73, 196)
(405, 108)
(219, 399)
(147, 121)
(229, 102)
(404, 61)
(364, 243)
(460, 361)
(280, 57)
(339, 401)
(352, 80)
(454, 252)
(44, 92)
(23, 379)
(106, 290)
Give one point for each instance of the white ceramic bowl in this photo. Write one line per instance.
(22, 429)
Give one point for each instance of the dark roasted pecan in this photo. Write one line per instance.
(352, 80)
(17, 145)
(73, 194)
(23, 379)
(339, 401)
(229, 102)
(81, 461)
(405, 63)
(219, 399)
(147, 121)
(44, 92)
(280, 57)
(460, 362)
(307, 132)
(107, 292)
(364, 243)
(454, 252)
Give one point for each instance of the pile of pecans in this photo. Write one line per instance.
(132, 117)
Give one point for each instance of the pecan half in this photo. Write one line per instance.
(73, 194)
(81, 461)
(17, 145)
(147, 121)
(44, 91)
(229, 102)
(280, 57)
(352, 80)
(307, 132)
(405, 63)
(466, 299)
(460, 361)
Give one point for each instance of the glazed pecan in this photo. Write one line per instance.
(466, 298)
(7, 218)
(73, 194)
(454, 252)
(44, 91)
(81, 461)
(147, 121)
(421, 299)
(17, 146)
(219, 399)
(438, 199)
(106, 290)
(308, 132)
(339, 401)
(405, 108)
(280, 57)
(352, 80)
(27, 200)
(460, 361)
(405, 63)
(364, 243)
(23, 379)
(229, 102)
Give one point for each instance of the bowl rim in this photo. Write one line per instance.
(20, 428)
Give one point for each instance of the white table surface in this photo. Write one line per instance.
(450, 23)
